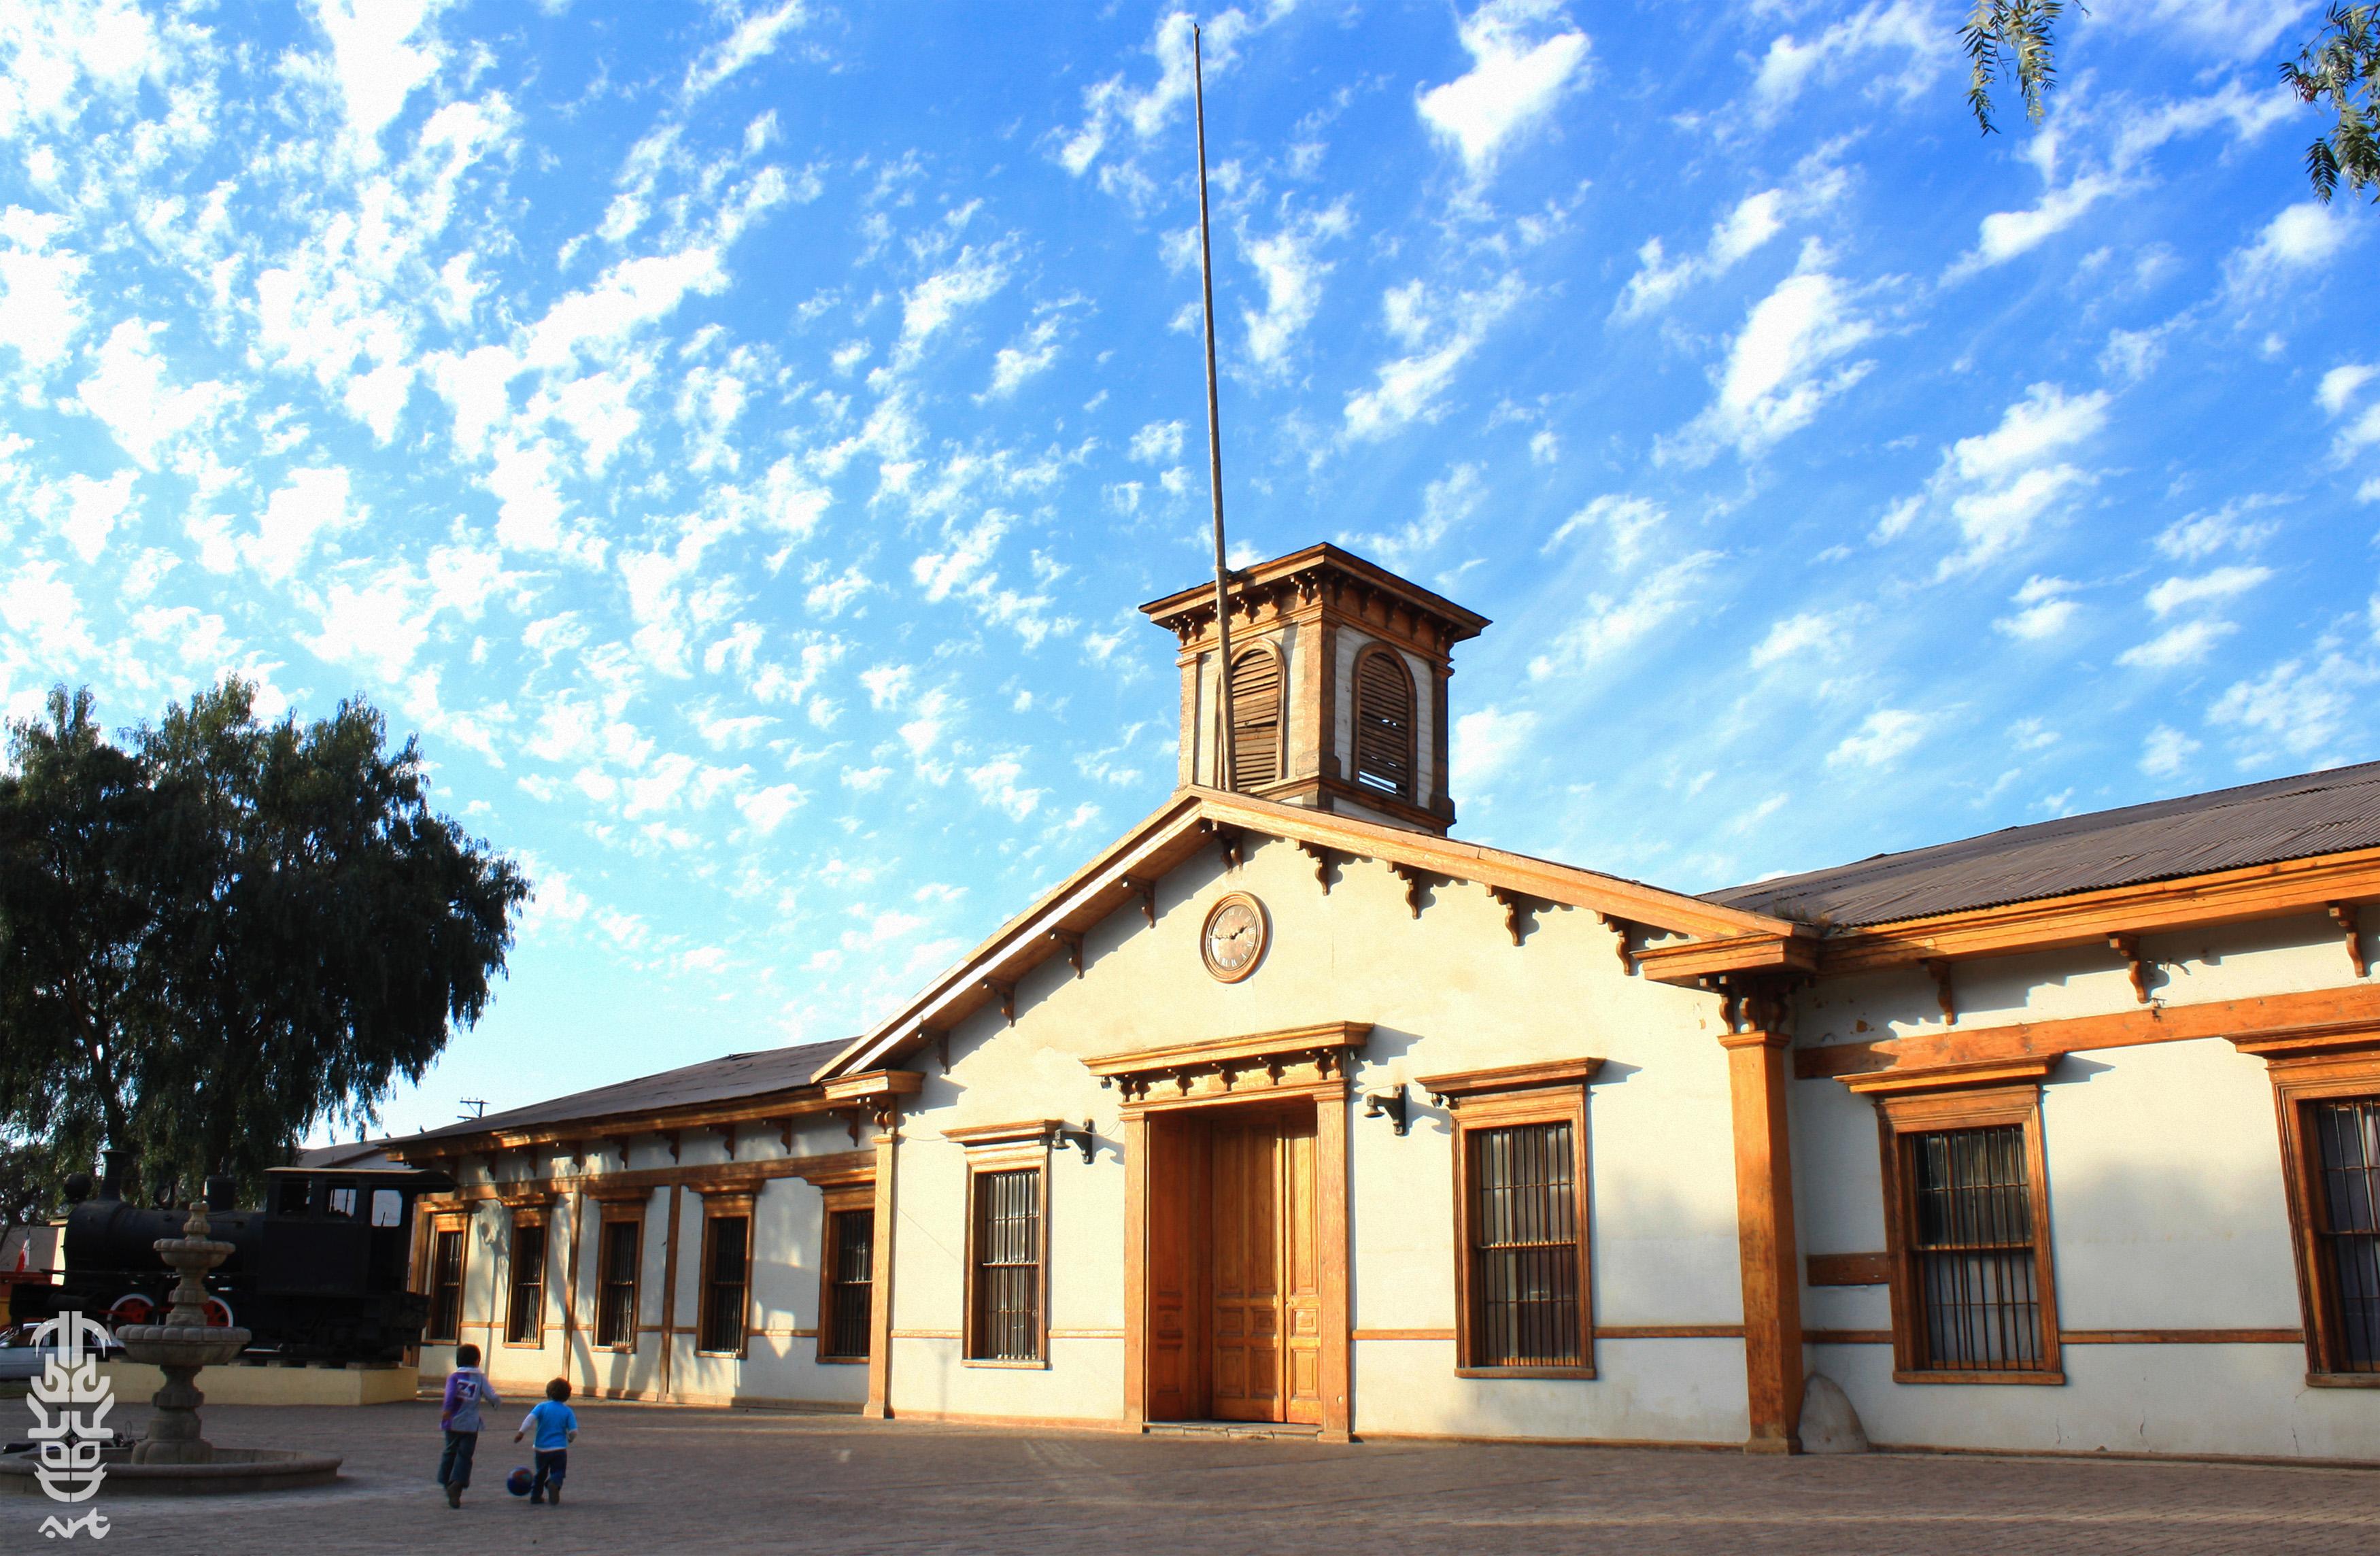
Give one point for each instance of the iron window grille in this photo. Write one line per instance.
(1525, 1254)
(723, 1285)
(1972, 1250)
(2346, 1226)
(445, 1287)
(1007, 1319)
(524, 1317)
(615, 1299)
(850, 1252)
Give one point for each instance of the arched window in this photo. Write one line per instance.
(1256, 718)
(1384, 724)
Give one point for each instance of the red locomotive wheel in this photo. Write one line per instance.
(131, 1308)
(218, 1313)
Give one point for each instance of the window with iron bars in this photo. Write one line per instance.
(1007, 1319)
(1524, 1254)
(722, 1325)
(524, 1317)
(1973, 1260)
(851, 1255)
(445, 1287)
(615, 1299)
(2346, 1226)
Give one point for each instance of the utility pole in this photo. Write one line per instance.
(1225, 778)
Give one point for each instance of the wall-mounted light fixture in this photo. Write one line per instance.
(1081, 1139)
(1390, 1105)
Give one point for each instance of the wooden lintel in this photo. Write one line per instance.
(2343, 913)
(2135, 964)
(1689, 962)
(2326, 1017)
(1939, 969)
(2011, 1071)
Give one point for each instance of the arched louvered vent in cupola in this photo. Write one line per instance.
(1256, 718)
(1384, 724)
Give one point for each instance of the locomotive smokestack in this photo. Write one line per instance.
(113, 1164)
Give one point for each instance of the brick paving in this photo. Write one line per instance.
(648, 1480)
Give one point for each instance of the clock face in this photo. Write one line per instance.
(1235, 937)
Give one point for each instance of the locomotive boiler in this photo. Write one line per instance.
(318, 1272)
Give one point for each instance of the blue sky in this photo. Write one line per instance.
(735, 439)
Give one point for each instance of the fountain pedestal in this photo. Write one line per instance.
(181, 1347)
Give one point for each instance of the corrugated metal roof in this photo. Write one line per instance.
(2229, 829)
(713, 1080)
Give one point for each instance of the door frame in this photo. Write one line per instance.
(1305, 1069)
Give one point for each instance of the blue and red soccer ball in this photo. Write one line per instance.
(519, 1481)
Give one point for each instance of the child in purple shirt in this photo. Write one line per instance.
(459, 1417)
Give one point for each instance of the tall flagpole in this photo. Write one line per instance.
(1225, 778)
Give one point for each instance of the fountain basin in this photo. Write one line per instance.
(234, 1470)
(181, 1345)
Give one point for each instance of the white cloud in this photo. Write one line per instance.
(1029, 357)
(927, 308)
(1523, 56)
(1440, 332)
(378, 623)
(1799, 637)
(1627, 519)
(41, 303)
(1881, 739)
(2201, 535)
(1910, 30)
(2221, 584)
(1780, 366)
(313, 503)
(2304, 235)
(1611, 624)
(995, 782)
(92, 509)
(2303, 708)
(767, 808)
(127, 391)
(1997, 485)
(2186, 644)
(1160, 443)
(1485, 741)
(2004, 235)
(2166, 751)
(756, 36)
(2042, 610)
(1747, 228)
(375, 63)
(1445, 503)
(1286, 262)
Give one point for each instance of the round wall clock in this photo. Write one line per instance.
(1233, 941)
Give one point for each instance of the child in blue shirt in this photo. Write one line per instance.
(556, 1426)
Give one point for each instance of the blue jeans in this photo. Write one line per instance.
(454, 1464)
(553, 1463)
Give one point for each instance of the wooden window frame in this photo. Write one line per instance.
(998, 1151)
(459, 1223)
(611, 1214)
(1904, 1115)
(537, 1218)
(2297, 1083)
(1280, 714)
(1411, 790)
(716, 1208)
(1503, 1099)
(840, 1202)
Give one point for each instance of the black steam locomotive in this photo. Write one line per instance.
(318, 1274)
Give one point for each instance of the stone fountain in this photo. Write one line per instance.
(182, 1347)
(175, 1459)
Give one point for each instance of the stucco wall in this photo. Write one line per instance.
(1446, 992)
(2166, 1199)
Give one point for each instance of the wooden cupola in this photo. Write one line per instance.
(1338, 686)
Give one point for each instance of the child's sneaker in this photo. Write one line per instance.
(454, 1495)
(555, 1493)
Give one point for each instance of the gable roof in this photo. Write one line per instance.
(735, 1076)
(1196, 817)
(2282, 819)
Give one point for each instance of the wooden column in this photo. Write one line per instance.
(570, 1272)
(1765, 1237)
(1134, 1128)
(880, 1309)
(1333, 1234)
(668, 1294)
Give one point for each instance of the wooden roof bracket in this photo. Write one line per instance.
(1939, 969)
(1416, 879)
(1324, 858)
(2343, 913)
(1072, 941)
(1148, 889)
(1625, 930)
(1515, 904)
(1006, 994)
(1234, 842)
(2138, 966)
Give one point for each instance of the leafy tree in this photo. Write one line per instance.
(2014, 40)
(278, 924)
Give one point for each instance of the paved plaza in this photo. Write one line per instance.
(646, 1480)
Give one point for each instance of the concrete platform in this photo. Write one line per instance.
(135, 1382)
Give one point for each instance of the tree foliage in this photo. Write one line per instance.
(229, 933)
(2343, 61)
(2015, 42)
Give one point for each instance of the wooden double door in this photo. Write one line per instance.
(1235, 1283)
